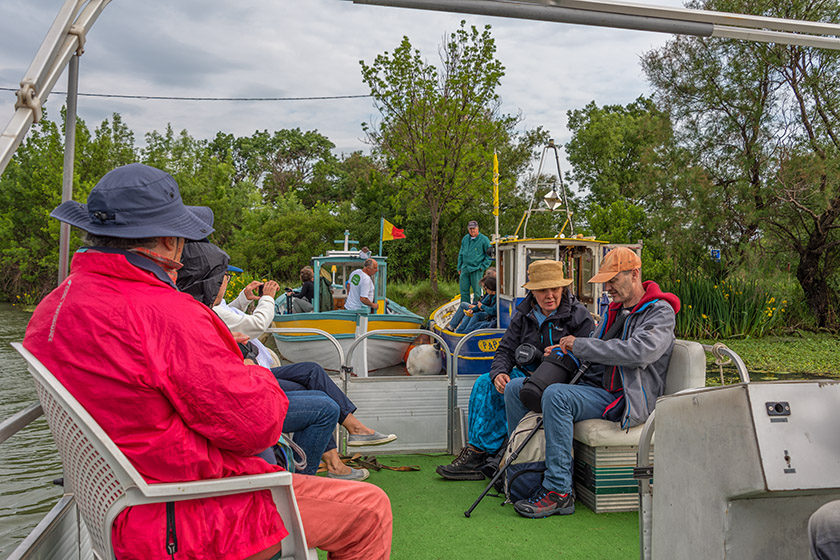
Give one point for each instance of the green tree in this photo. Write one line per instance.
(285, 161)
(639, 183)
(613, 148)
(111, 146)
(29, 190)
(439, 127)
(275, 241)
(204, 177)
(764, 119)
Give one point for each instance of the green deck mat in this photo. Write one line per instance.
(429, 522)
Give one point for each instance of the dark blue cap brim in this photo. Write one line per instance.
(234, 269)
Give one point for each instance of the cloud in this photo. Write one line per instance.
(286, 48)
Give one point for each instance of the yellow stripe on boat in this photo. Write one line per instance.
(382, 325)
(332, 326)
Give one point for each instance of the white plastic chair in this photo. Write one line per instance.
(104, 482)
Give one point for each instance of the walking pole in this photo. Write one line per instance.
(502, 470)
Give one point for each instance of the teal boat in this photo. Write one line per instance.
(377, 352)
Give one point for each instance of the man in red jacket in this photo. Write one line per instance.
(165, 379)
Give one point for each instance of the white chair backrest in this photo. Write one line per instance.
(104, 482)
(95, 470)
(687, 369)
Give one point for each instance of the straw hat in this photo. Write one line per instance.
(546, 274)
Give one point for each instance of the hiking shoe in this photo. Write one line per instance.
(354, 474)
(376, 438)
(546, 502)
(466, 466)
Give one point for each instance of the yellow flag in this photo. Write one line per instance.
(495, 184)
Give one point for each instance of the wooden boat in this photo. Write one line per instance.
(378, 351)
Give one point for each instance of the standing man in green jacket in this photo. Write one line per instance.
(473, 260)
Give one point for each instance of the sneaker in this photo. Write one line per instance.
(466, 466)
(354, 474)
(376, 438)
(546, 502)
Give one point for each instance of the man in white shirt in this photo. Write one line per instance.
(360, 287)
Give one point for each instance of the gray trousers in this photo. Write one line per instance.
(824, 532)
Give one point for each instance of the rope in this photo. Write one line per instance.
(720, 359)
(368, 462)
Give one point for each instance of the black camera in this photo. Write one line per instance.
(557, 367)
(259, 290)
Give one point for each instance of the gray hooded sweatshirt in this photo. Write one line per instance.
(635, 362)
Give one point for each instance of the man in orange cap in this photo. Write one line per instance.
(625, 364)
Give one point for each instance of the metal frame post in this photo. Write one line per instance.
(69, 161)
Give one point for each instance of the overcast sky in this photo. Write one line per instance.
(303, 48)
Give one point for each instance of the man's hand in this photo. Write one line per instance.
(501, 380)
(271, 288)
(251, 290)
(566, 343)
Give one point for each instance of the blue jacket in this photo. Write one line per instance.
(488, 304)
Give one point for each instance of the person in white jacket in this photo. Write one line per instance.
(303, 375)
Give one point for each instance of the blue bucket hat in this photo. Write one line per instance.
(135, 201)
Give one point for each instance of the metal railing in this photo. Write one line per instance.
(19, 421)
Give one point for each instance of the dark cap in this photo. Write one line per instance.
(135, 201)
(472, 223)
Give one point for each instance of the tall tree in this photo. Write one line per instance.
(766, 121)
(285, 161)
(439, 126)
(639, 183)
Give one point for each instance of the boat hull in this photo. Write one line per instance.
(476, 355)
(377, 352)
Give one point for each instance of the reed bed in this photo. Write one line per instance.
(725, 309)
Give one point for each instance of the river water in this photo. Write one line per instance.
(28, 460)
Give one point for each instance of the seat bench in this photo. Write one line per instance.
(604, 454)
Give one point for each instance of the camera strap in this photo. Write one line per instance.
(618, 324)
(613, 332)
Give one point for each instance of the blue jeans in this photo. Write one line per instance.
(487, 427)
(479, 320)
(311, 376)
(458, 316)
(311, 417)
(562, 405)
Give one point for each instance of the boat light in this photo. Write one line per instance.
(552, 200)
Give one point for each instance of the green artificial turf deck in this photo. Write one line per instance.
(429, 521)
